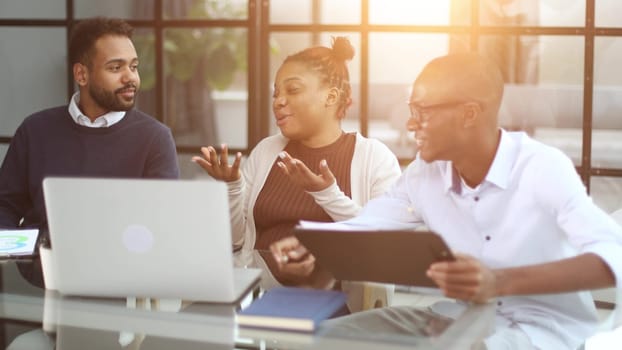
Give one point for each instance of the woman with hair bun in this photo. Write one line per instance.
(312, 170)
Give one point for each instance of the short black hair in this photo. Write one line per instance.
(86, 32)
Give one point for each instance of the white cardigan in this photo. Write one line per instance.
(374, 168)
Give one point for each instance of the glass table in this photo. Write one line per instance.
(35, 318)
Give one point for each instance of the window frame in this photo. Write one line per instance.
(259, 30)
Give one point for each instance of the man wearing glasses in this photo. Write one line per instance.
(526, 234)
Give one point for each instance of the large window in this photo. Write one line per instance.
(194, 65)
(207, 66)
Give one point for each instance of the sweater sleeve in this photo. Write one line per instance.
(14, 195)
(335, 203)
(384, 169)
(236, 211)
(162, 162)
(240, 191)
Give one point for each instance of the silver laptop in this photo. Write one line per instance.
(145, 238)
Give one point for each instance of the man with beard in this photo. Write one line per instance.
(99, 134)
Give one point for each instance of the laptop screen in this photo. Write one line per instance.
(141, 237)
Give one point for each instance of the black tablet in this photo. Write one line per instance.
(397, 257)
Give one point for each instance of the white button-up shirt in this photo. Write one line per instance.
(104, 121)
(531, 208)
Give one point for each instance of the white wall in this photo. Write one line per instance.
(32, 9)
(3, 149)
(33, 73)
(112, 8)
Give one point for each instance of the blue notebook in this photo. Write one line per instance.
(295, 309)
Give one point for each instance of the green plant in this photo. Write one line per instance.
(214, 53)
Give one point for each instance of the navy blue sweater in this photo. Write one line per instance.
(50, 143)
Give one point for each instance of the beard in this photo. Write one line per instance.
(111, 100)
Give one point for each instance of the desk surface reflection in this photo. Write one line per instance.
(42, 319)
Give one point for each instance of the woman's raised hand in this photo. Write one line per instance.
(299, 173)
(218, 166)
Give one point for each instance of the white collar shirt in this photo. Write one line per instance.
(104, 121)
(531, 208)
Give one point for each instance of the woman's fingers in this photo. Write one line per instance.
(217, 166)
(224, 156)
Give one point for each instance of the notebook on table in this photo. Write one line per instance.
(139, 237)
(293, 309)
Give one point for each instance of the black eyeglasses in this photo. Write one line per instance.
(422, 113)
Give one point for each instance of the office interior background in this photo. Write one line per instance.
(207, 67)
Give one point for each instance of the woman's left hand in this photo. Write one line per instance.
(296, 170)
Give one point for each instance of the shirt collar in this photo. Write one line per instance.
(103, 121)
(451, 179)
(500, 170)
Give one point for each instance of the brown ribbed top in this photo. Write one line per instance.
(281, 203)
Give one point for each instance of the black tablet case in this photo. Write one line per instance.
(398, 257)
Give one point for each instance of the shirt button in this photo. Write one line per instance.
(499, 303)
(476, 198)
(488, 238)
